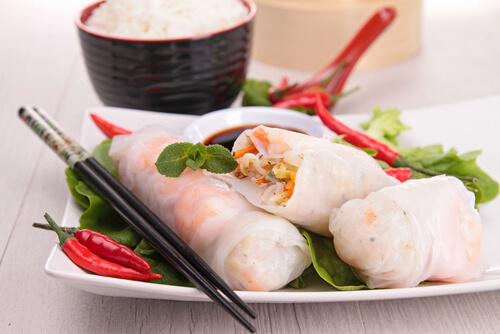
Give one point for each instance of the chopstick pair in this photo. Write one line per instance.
(136, 213)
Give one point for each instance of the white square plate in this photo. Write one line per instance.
(466, 126)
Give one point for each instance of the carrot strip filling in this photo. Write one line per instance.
(241, 152)
(290, 186)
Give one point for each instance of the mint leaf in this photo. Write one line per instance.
(172, 160)
(196, 155)
(219, 160)
(176, 157)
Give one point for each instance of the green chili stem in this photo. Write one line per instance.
(63, 237)
(68, 230)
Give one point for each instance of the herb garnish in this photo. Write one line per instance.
(176, 157)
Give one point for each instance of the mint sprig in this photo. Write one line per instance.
(176, 157)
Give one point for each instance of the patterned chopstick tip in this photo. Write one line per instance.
(73, 145)
(42, 128)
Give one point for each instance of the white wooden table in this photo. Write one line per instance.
(41, 64)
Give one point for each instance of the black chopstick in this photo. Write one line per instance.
(148, 215)
(170, 236)
(76, 157)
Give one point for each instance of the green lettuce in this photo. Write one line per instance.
(159, 265)
(99, 216)
(255, 93)
(328, 264)
(385, 126)
(449, 162)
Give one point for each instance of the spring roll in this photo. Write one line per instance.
(426, 229)
(302, 178)
(204, 211)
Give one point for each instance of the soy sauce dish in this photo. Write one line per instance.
(224, 126)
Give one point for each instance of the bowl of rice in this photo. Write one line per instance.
(177, 56)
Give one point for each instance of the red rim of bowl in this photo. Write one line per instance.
(85, 13)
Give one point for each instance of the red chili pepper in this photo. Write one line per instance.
(107, 248)
(402, 173)
(356, 138)
(83, 257)
(104, 246)
(384, 152)
(276, 93)
(107, 128)
(305, 99)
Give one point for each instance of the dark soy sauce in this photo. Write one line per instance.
(227, 137)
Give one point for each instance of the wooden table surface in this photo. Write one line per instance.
(41, 64)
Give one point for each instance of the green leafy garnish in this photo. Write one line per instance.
(385, 126)
(101, 154)
(255, 93)
(328, 264)
(161, 266)
(451, 163)
(299, 282)
(176, 157)
(99, 216)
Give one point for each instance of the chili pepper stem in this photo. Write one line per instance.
(68, 230)
(63, 237)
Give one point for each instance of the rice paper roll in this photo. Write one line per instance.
(259, 252)
(199, 206)
(302, 178)
(425, 229)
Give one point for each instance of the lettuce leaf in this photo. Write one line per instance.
(255, 93)
(451, 163)
(385, 126)
(159, 265)
(99, 216)
(328, 265)
(101, 154)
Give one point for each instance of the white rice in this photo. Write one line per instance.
(165, 19)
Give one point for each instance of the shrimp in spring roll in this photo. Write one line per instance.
(301, 178)
(215, 221)
(425, 229)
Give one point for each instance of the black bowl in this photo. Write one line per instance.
(189, 75)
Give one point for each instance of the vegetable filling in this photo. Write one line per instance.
(276, 175)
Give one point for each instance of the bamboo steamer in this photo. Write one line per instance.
(307, 34)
